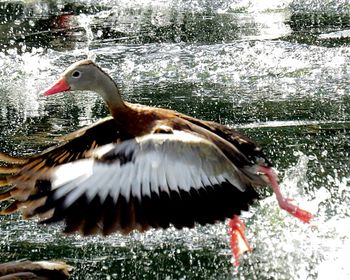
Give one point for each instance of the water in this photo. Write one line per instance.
(277, 71)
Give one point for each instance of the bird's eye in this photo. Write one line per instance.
(76, 74)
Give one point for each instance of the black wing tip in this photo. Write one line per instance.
(182, 209)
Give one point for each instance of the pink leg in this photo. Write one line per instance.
(284, 203)
(238, 241)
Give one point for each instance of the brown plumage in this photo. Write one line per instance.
(142, 167)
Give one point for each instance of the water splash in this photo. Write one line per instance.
(312, 6)
(85, 22)
(23, 76)
(284, 248)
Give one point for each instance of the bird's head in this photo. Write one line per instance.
(86, 75)
(82, 75)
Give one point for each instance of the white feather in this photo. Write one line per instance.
(125, 181)
(183, 178)
(220, 178)
(125, 189)
(146, 178)
(171, 177)
(234, 181)
(111, 184)
(115, 186)
(213, 180)
(96, 185)
(71, 171)
(68, 187)
(166, 162)
(195, 176)
(205, 179)
(104, 150)
(136, 184)
(154, 163)
(163, 185)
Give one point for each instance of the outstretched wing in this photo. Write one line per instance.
(71, 147)
(150, 181)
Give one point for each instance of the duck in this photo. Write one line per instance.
(35, 270)
(139, 168)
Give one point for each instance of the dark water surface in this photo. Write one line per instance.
(276, 70)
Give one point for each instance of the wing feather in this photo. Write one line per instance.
(72, 147)
(149, 181)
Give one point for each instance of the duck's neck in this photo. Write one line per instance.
(109, 91)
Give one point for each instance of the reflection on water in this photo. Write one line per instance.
(259, 67)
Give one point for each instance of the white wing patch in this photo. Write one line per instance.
(145, 165)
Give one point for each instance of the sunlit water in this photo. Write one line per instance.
(270, 70)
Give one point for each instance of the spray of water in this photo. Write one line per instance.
(286, 249)
(85, 22)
